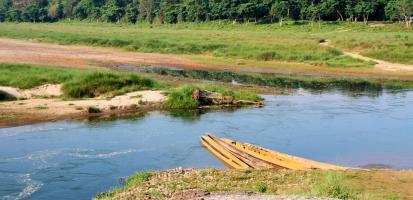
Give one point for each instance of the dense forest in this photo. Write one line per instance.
(176, 11)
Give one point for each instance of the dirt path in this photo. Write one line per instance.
(27, 52)
(380, 64)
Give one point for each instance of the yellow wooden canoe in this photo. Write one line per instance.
(237, 155)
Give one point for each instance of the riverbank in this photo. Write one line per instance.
(32, 94)
(190, 183)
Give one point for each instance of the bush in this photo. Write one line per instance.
(182, 97)
(332, 186)
(262, 188)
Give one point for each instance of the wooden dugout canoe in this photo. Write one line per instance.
(238, 155)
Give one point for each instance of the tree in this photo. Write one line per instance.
(197, 10)
(112, 11)
(5, 6)
(68, 8)
(328, 8)
(168, 10)
(365, 8)
(279, 10)
(13, 15)
(147, 9)
(246, 11)
(55, 10)
(312, 13)
(132, 12)
(400, 8)
(83, 9)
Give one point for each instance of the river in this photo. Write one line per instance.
(78, 159)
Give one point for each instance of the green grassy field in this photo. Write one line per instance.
(294, 42)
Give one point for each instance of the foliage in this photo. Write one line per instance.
(332, 186)
(173, 11)
(28, 76)
(182, 97)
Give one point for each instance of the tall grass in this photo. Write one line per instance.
(29, 76)
(99, 83)
(76, 83)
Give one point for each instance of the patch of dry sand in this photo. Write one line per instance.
(48, 90)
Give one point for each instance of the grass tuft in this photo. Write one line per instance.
(262, 188)
(332, 186)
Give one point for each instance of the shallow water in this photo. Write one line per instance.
(75, 159)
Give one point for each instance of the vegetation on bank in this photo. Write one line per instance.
(183, 97)
(296, 42)
(178, 11)
(290, 80)
(76, 83)
(362, 184)
(100, 83)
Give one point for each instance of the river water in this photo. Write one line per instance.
(78, 159)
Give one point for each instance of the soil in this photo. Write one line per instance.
(35, 109)
(21, 51)
(200, 195)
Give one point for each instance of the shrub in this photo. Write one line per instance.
(262, 188)
(182, 98)
(332, 186)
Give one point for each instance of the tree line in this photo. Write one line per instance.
(176, 11)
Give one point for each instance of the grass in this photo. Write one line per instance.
(76, 83)
(29, 76)
(373, 85)
(332, 185)
(298, 42)
(362, 184)
(182, 97)
(41, 107)
(99, 83)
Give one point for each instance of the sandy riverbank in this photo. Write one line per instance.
(44, 103)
